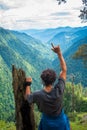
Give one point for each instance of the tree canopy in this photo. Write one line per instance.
(81, 53)
(83, 11)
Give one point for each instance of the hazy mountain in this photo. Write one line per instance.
(75, 67)
(68, 37)
(64, 36)
(33, 43)
(45, 34)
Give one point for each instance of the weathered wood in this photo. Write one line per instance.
(23, 111)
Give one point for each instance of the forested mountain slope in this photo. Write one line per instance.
(75, 67)
(14, 51)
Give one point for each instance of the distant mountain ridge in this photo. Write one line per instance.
(64, 36)
(45, 34)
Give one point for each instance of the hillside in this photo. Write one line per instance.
(64, 36)
(67, 37)
(14, 51)
(45, 35)
(75, 67)
(33, 43)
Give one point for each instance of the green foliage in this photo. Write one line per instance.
(81, 53)
(37, 118)
(80, 122)
(74, 98)
(76, 126)
(7, 125)
(72, 116)
(6, 94)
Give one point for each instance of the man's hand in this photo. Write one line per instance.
(56, 49)
(27, 84)
(29, 79)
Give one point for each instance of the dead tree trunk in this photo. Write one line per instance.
(23, 111)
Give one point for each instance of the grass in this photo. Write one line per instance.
(80, 122)
(77, 126)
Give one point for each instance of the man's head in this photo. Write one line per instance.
(48, 77)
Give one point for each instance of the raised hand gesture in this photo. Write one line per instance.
(56, 49)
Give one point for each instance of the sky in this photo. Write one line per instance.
(39, 14)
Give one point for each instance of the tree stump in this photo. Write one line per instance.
(24, 113)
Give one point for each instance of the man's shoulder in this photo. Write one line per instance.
(38, 92)
(60, 85)
(61, 81)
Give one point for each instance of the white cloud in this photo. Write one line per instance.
(25, 14)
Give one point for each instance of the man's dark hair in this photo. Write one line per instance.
(48, 77)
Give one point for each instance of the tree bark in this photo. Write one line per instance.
(24, 113)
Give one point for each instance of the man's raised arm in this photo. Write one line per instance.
(57, 50)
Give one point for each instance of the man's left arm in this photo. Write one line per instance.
(27, 85)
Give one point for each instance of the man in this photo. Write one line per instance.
(49, 99)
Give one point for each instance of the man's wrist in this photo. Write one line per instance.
(59, 54)
(27, 84)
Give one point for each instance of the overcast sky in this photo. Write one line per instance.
(38, 14)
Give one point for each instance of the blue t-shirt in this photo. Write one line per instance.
(49, 102)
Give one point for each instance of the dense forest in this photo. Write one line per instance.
(31, 51)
